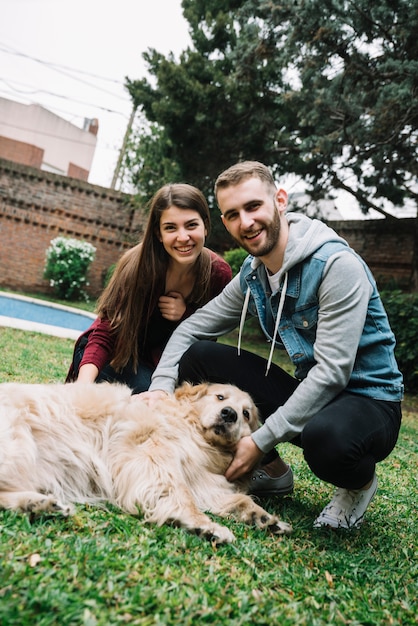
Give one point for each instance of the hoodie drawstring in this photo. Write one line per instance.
(243, 316)
(276, 326)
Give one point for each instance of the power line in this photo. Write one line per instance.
(46, 134)
(13, 85)
(55, 68)
(103, 146)
(10, 50)
(56, 95)
(58, 111)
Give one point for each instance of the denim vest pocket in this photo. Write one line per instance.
(305, 322)
(298, 333)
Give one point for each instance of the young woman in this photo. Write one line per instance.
(155, 286)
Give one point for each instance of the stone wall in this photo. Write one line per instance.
(37, 206)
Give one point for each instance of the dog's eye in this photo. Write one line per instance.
(220, 396)
(246, 414)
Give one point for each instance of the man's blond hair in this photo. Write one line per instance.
(241, 171)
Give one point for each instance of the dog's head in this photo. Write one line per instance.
(226, 414)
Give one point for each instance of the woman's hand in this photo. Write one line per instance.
(172, 306)
(246, 457)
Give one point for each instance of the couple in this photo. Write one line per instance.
(316, 298)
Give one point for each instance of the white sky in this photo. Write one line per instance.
(85, 39)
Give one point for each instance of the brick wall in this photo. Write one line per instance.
(389, 247)
(37, 206)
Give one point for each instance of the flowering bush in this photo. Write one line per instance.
(67, 263)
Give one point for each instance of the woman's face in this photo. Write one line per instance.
(182, 233)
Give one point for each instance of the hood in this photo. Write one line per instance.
(306, 235)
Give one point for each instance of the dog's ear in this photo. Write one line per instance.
(191, 392)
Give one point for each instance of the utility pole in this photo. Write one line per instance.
(122, 151)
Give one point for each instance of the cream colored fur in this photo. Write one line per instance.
(65, 444)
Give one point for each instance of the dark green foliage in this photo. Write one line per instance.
(235, 258)
(402, 310)
(325, 89)
(108, 274)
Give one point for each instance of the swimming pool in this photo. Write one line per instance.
(41, 316)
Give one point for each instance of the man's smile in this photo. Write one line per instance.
(253, 235)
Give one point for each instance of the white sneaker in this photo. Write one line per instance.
(347, 507)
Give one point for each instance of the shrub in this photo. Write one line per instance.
(402, 310)
(235, 258)
(67, 263)
(107, 275)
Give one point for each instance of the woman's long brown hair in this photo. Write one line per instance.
(139, 277)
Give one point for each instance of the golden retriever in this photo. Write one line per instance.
(73, 443)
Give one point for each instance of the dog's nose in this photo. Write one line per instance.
(229, 414)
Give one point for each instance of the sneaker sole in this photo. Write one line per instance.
(276, 492)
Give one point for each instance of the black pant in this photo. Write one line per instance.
(341, 444)
(138, 380)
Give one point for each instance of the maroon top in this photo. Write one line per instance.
(100, 341)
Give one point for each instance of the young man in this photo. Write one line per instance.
(314, 296)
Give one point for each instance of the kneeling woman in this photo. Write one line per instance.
(155, 286)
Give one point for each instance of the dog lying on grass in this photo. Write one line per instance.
(74, 443)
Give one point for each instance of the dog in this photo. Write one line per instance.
(62, 444)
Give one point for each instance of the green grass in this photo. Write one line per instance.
(104, 568)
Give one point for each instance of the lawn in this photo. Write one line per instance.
(104, 568)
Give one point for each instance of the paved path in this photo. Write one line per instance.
(43, 317)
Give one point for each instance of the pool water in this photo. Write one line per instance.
(44, 313)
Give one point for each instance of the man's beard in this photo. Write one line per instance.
(272, 237)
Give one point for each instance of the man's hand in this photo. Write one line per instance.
(151, 397)
(172, 306)
(246, 457)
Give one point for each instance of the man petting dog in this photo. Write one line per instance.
(315, 297)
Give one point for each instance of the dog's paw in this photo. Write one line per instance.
(63, 509)
(49, 504)
(216, 533)
(280, 528)
(273, 524)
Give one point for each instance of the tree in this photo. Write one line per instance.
(357, 122)
(209, 111)
(325, 89)
(149, 159)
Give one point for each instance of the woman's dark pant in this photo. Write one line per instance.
(341, 444)
(138, 381)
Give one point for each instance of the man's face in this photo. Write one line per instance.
(251, 212)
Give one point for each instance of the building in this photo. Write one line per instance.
(32, 135)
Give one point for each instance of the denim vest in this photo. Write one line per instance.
(375, 373)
